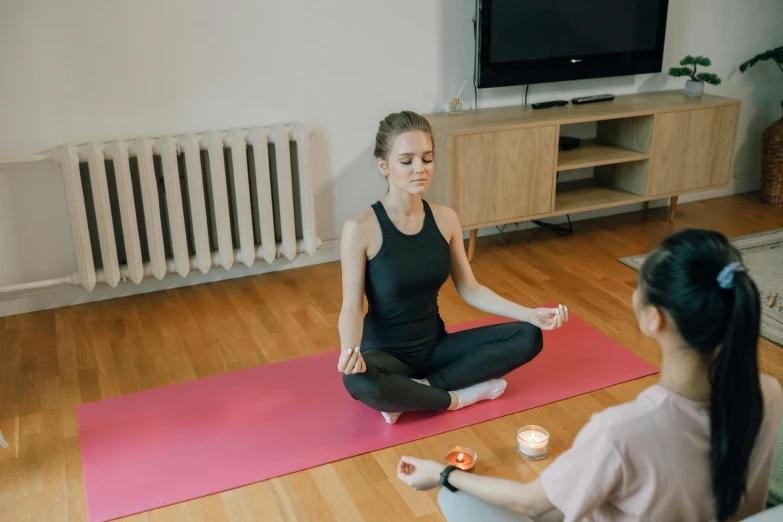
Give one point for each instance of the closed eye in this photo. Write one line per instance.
(408, 162)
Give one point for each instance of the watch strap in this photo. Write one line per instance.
(444, 478)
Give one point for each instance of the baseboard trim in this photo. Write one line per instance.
(66, 295)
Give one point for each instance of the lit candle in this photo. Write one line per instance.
(532, 442)
(462, 457)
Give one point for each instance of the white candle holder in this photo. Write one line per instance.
(532, 442)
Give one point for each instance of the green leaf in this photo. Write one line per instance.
(775, 54)
(680, 71)
(710, 78)
(747, 65)
(688, 60)
(702, 60)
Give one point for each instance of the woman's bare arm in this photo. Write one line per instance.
(353, 256)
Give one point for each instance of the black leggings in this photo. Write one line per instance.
(453, 362)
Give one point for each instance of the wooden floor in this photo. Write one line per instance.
(53, 360)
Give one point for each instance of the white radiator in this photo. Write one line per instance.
(174, 204)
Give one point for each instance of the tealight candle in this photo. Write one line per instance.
(532, 442)
(462, 457)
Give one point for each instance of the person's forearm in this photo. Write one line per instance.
(515, 496)
(350, 327)
(485, 299)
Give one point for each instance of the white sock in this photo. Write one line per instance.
(482, 391)
(391, 418)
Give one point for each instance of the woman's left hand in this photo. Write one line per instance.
(549, 318)
(419, 474)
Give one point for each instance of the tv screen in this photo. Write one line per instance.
(533, 41)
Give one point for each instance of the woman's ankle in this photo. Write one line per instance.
(454, 401)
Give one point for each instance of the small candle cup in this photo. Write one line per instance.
(532, 442)
(462, 457)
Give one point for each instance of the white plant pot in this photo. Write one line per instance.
(694, 89)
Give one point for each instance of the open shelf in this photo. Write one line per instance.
(592, 153)
(586, 194)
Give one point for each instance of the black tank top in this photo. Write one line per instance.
(402, 283)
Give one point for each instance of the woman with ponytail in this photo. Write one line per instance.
(698, 446)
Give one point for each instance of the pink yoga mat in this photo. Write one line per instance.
(172, 444)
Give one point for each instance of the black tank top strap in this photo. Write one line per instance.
(428, 215)
(383, 218)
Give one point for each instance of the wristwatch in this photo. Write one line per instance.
(444, 478)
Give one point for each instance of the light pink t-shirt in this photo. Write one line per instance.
(648, 460)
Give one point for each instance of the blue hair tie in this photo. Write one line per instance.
(726, 276)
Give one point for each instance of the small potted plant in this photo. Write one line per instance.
(695, 86)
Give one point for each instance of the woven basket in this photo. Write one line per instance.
(772, 164)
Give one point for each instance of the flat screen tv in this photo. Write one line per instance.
(521, 42)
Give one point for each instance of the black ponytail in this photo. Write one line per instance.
(736, 406)
(697, 278)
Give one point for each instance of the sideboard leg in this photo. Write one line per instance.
(646, 206)
(472, 243)
(672, 208)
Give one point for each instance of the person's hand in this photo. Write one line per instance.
(549, 318)
(419, 474)
(351, 361)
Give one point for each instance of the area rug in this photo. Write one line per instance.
(763, 255)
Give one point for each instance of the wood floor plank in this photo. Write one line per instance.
(77, 508)
(205, 509)
(10, 430)
(10, 372)
(303, 487)
(331, 486)
(256, 502)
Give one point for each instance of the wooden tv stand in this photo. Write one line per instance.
(500, 165)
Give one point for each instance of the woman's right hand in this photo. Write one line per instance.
(351, 361)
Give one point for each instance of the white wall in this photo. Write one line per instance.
(93, 70)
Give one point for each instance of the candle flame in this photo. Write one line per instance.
(460, 457)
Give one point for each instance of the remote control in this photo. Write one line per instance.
(592, 99)
(548, 104)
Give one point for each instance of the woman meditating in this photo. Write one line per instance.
(398, 254)
(698, 446)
